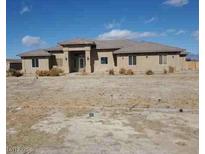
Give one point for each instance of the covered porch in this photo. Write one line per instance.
(77, 59)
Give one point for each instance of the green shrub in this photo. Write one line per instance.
(130, 72)
(149, 72)
(111, 72)
(122, 71)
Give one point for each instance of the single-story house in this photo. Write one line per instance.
(101, 55)
(13, 64)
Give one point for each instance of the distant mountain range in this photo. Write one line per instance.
(192, 57)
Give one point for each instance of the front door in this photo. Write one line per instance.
(78, 63)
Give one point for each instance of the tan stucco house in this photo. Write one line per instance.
(102, 55)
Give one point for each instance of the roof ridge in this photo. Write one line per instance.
(156, 43)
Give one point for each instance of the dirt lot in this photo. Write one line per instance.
(132, 114)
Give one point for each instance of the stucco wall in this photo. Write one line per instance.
(98, 67)
(144, 62)
(148, 62)
(27, 65)
(183, 63)
(58, 55)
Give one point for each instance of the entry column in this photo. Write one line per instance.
(87, 60)
(66, 60)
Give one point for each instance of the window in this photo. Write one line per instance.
(81, 63)
(104, 60)
(132, 60)
(59, 62)
(162, 59)
(35, 62)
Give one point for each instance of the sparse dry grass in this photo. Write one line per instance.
(29, 114)
(30, 101)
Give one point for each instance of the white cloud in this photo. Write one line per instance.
(32, 41)
(113, 24)
(171, 30)
(25, 9)
(150, 20)
(176, 3)
(126, 34)
(195, 34)
(179, 32)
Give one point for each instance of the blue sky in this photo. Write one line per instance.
(33, 24)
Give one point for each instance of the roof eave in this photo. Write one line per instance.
(146, 52)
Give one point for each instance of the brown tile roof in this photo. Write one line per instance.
(113, 44)
(147, 47)
(121, 46)
(56, 48)
(77, 42)
(35, 53)
(125, 46)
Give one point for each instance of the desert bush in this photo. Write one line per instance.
(149, 72)
(111, 72)
(171, 69)
(52, 72)
(55, 72)
(42, 73)
(13, 72)
(122, 71)
(165, 71)
(18, 74)
(129, 72)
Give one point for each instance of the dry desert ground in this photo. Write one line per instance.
(102, 114)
